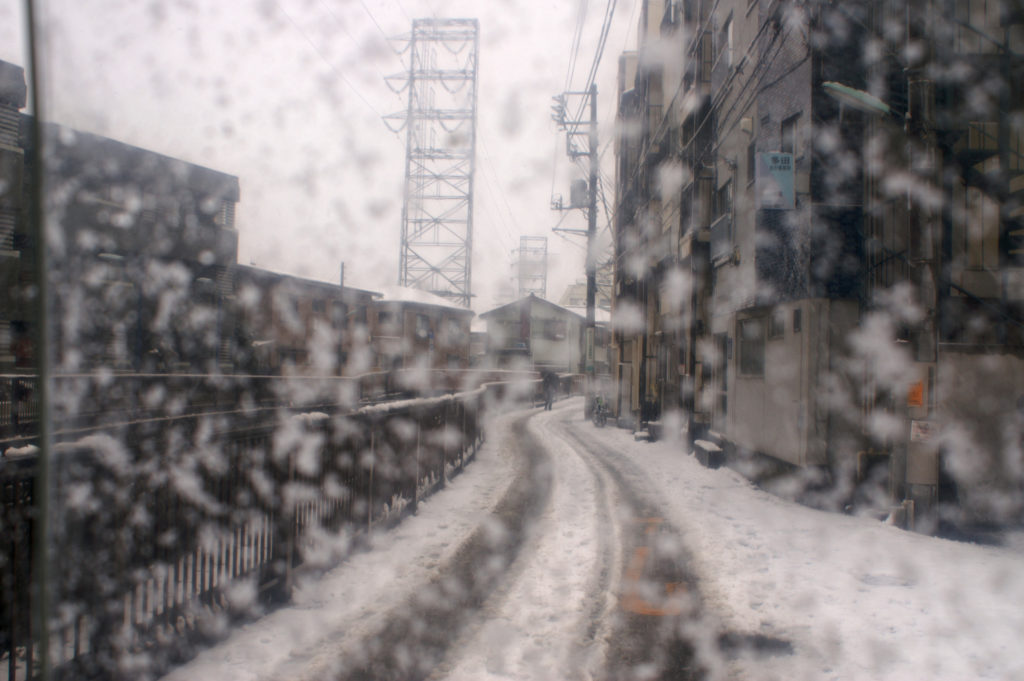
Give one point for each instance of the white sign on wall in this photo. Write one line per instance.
(773, 180)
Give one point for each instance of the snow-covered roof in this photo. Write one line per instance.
(264, 273)
(601, 316)
(404, 294)
(531, 299)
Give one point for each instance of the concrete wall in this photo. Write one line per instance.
(562, 353)
(787, 412)
(980, 429)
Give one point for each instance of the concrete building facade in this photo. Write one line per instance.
(794, 268)
(534, 333)
(413, 329)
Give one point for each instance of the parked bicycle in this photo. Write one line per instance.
(600, 415)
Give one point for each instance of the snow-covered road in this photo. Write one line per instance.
(625, 545)
(549, 619)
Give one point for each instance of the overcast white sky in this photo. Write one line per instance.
(289, 95)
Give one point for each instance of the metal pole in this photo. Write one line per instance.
(591, 256)
(40, 597)
(410, 139)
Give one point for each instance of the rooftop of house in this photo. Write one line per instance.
(404, 294)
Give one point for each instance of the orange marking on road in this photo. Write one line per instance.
(632, 601)
(651, 524)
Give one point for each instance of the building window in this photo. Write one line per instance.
(751, 335)
(723, 200)
(751, 162)
(777, 324)
(725, 44)
(554, 329)
(976, 233)
(422, 326)
(787, 144)
(797, 320)
(513, 333)
(319, 306)
(721, 224)
(338, 313)
(226, 215)
(453, 332)
(671, 15)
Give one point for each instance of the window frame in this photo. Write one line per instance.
(751, 162)
(751, 337)
(776, 325)
(726, 37)
(788, 142)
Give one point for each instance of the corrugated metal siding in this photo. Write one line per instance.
(7, 221)
(9, 122)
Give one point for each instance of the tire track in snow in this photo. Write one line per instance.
(549, 618)
(419, 633)
(658, 599)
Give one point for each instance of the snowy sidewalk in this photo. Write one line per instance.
(857, 599)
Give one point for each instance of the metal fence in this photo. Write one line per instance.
(168, 529)
(18, 408)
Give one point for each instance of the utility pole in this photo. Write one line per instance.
(591, 248)
(920, 467)
(572, 128)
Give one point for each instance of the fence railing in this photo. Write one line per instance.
(167, 529)
(103, 399)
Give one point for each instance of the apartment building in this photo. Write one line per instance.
(533, 333)
(16, 254)
(417, 330)
(817, 236)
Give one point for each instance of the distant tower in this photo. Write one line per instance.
(533, 266)
(440, 149)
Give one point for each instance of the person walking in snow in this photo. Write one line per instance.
(550, 384)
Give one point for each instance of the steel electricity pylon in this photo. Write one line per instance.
(440, 127)
(533, 266)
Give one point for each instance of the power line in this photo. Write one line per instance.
(402, 7)
(602, 41)
(760, 71)
(574, 51)
(374, 19)
(355, 42)
(598, 54)
(322, 56)
(487, 184)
